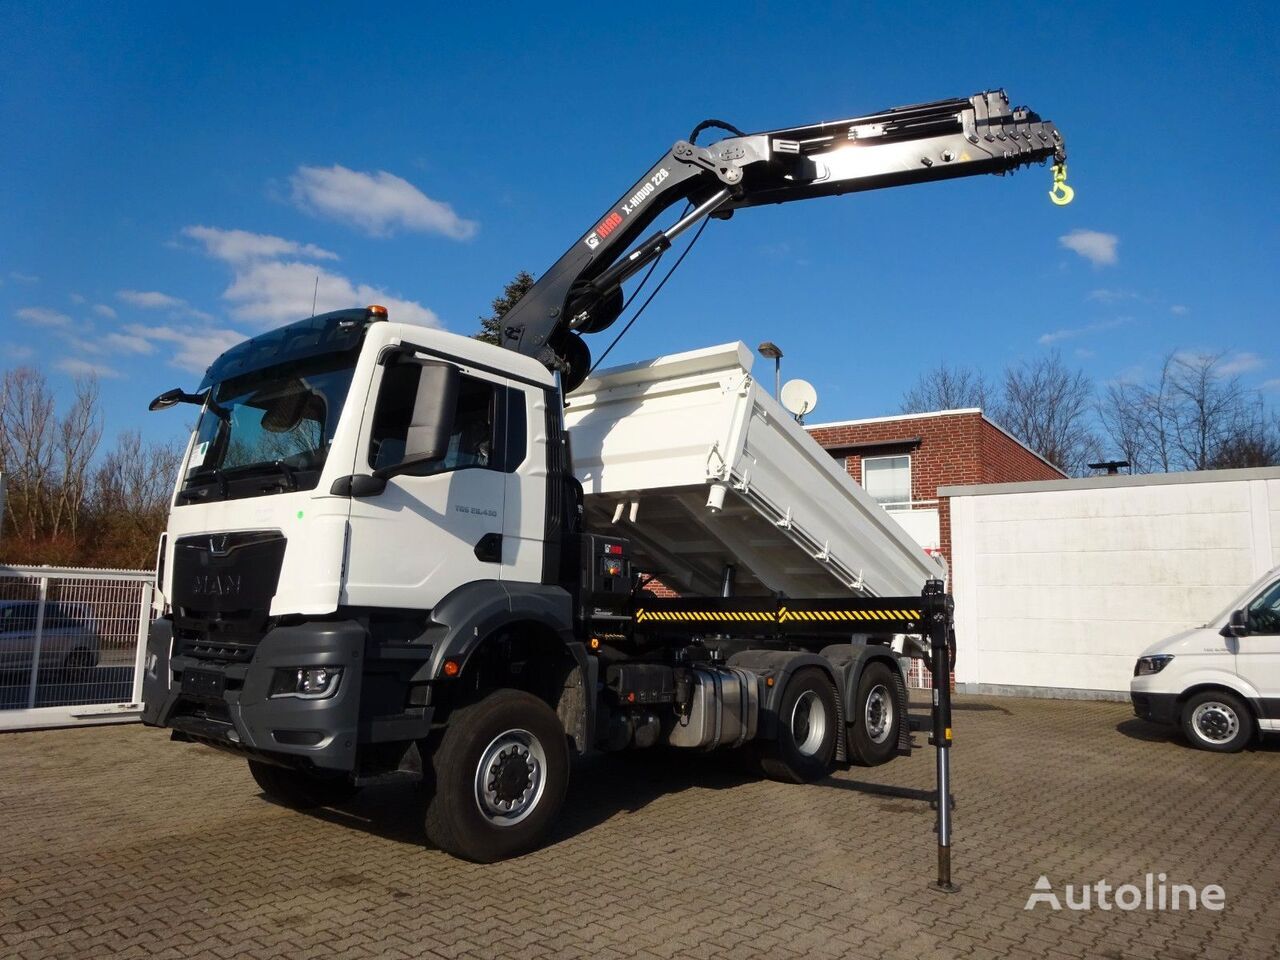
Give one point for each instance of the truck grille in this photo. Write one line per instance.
(223, 585)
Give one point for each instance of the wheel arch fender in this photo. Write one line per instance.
(1210, 679)
(478, 613)
(780, 665)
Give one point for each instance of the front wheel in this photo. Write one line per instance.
(501, 771)
(1218, 721)
(301, 789)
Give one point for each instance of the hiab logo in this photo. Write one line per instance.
(603, 229)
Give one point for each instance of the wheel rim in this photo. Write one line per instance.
(510, 777)
(808, 723)
(1215, 722)
(877, 715)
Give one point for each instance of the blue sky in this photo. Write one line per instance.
(176, 176)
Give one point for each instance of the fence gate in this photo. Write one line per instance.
(71, 645)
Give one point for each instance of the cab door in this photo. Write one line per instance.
(1258, 652)
(439, 525)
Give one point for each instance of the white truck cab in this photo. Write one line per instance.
(1221, 681)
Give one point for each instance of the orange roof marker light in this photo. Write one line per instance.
(376, 311)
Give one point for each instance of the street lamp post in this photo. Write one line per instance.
(771, 351)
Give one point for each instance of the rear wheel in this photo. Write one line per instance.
(301, 789)
(1217, 720)
(501, 771)
(807, 722)
(876, 716)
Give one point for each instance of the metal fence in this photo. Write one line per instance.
(71, 645)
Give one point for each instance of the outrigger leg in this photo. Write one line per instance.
(938, 613)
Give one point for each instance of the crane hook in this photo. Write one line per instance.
(1060, 193)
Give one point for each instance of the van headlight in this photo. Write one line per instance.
(306, 683)
(1149, 665)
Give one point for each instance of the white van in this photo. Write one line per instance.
(1220, 682)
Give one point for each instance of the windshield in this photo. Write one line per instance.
(1239, 602)
(267, 431)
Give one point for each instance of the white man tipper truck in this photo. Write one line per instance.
(396, 552)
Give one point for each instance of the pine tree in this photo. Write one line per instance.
(491, 326)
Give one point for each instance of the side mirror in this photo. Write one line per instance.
(171, 398)
(431, 425)
(1238, 624)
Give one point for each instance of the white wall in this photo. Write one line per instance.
(1062, 584)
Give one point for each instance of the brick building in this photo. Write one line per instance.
(903, 460)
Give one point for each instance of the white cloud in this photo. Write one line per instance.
(84, 368)
(1273, 384)
(1106, 295)
(1070, 333)
(76, 298)
(150, 299)
(102, 310)
(1096, 247)
(127, 343)
(377, 203)
(44, 317)
(16, 352)
(272, 293)
(18, 277)
(155, 300)
(237, 246)
(195, 347)
(1244, 362)
(1178, 309)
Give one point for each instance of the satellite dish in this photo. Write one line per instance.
(799, 397)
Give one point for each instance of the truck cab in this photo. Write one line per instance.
(1219, 682)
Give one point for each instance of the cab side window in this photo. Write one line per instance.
(488, 433)
(1264, 611)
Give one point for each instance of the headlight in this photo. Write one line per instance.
(306, 683)
(1149, 665)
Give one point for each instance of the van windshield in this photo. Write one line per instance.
(267, 431)
(1240, 602)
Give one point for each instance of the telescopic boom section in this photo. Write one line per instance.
(582, 292)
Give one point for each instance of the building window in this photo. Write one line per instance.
(888, 480)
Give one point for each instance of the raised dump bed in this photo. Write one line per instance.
(703, 469)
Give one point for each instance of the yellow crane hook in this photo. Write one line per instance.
(1060, 193)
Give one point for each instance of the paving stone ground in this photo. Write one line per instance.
(117, 843)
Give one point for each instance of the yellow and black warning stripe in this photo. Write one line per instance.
(897, 615)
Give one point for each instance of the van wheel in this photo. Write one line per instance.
(501, 771)
(301, 789)
(876, 717)
(807, 722)
(1217, 720)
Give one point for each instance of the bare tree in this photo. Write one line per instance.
(75, 445)
(27, 443)
(1213, 410)
(947, 388)
(1192, 416)
(1047, 406)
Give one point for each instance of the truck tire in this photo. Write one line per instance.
(807, 722)
(501, 771)
(301, 789)
(1217, 720)
(875, 717)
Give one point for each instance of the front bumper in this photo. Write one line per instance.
(1155, 707)
(320, 733)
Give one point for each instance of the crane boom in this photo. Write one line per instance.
(582, 291)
